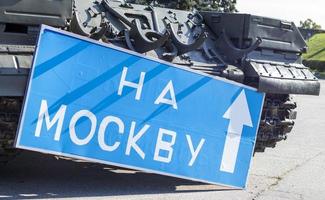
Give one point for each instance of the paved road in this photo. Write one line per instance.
(293, 170)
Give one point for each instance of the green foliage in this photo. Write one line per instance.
(309, 24)
(225, 5)
(218, 5)
(316, 48)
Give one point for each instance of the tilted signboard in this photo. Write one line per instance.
(104, 104)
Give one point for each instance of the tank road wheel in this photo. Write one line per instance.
(9, 117)
(276, 121)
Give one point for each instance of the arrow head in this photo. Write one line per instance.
(238, 113)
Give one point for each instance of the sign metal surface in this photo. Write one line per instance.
(105, 104)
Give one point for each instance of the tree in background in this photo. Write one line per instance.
(218, 5)
(309, 24)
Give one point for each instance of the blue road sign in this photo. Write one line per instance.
(101, 103)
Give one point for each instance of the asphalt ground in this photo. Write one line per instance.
(295, 169)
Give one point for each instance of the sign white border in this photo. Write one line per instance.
(22, 115)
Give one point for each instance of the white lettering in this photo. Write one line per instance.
(101, 133)
(195, 152)
(132, 140)
(161, 99)
(163, 145)
(72, 130)
(137, 86)
(58, 118)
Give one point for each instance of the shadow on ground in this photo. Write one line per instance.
(33, 175)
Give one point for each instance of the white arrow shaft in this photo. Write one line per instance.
(231, 147)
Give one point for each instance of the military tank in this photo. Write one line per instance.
(257, 51)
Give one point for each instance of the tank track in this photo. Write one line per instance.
(9, 117)
(276, 121)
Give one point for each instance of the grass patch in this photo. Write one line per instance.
(316, 48)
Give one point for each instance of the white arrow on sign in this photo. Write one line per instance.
(238, 115)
